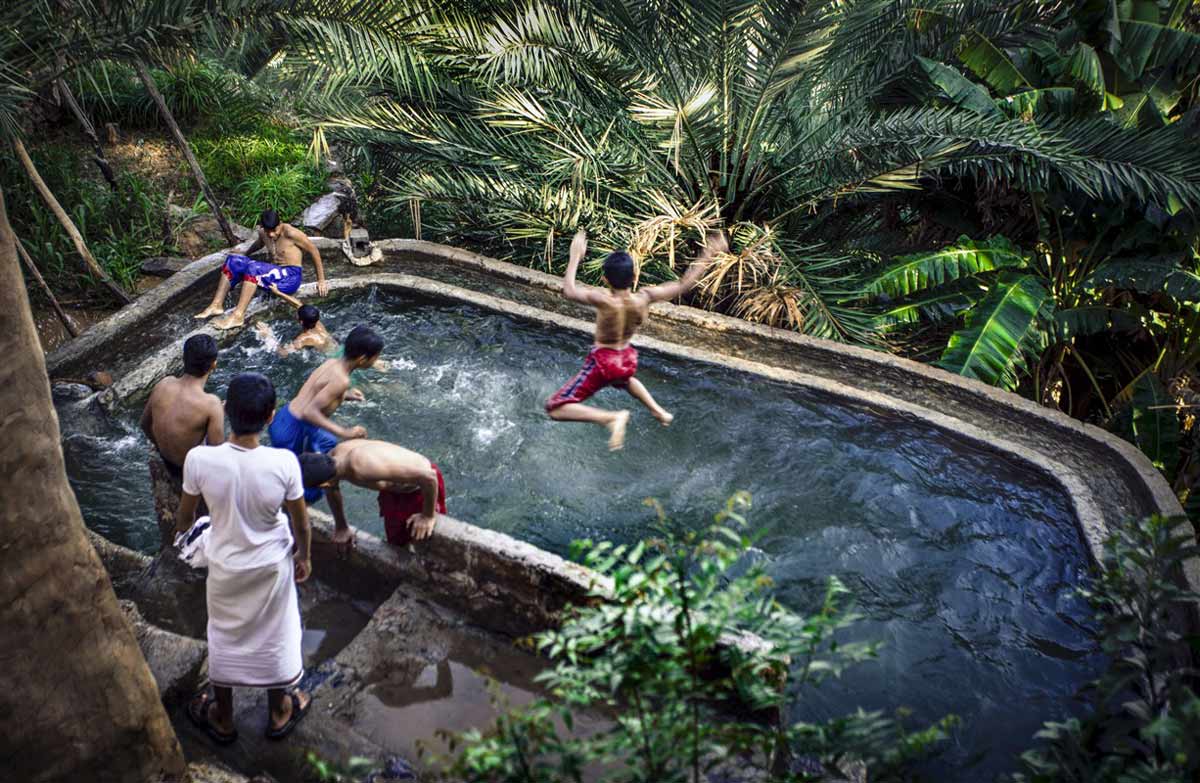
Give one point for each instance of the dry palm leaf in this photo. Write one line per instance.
(659, 234)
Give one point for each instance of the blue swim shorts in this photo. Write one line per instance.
(299, 436)
(285, 278)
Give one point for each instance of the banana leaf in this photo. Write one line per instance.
(1000, 331)
(922, 271)
(1149, 275)
(1092, 319)
(958, 89)
(1147, 45)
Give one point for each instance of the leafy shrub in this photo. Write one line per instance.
(1144, 723)
(663, 653)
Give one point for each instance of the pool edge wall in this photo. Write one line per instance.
(1106, 479)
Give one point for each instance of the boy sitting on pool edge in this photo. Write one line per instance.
(286, 246)
(411, 488)
(304, 424)
(619, 313)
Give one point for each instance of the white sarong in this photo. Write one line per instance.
(254, 627)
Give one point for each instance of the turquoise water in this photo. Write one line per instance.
(963, 563)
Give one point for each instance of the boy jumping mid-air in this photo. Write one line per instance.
(619, 312)
(304, 424)
(286, 246)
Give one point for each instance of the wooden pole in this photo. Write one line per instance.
(89, 261)
(37, 275)
(181, 140)
(89, 130)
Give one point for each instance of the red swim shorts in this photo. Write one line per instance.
(397, 507)
(603, 367)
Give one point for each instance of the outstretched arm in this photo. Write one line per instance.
(571, 289)
(307, 246)
(714, 243)
(343, 535)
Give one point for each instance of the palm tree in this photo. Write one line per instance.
(79, 700)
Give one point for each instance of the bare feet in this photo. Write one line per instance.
(209, 311)
(616, 429)
(665, 418)
(231, 321)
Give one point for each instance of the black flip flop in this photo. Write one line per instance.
(298, 713)
(199, 716)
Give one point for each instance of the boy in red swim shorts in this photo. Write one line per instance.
(411, 489)
(619, 313)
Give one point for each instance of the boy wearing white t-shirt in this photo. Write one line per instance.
(255, 557)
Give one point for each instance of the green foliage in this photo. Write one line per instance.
(681, 634)
(1144, 723)
(1000, 332)
(265, 166)
(120, 228)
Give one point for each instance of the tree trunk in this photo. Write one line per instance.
(90, 263)
(181, 140)
(89, 130)
(37, 275)
(78, 701)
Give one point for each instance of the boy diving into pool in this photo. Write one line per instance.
(411, 489)
(619, 313)
(304, 424)
(312, 333)
(286, 246)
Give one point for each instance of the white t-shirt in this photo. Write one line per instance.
(244, 489)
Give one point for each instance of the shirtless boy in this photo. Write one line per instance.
(312, 333)
(286, 246)
(411, 489)
(179, 414)
(619, 312)
(304, 424)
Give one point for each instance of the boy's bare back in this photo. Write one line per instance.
(183, 416)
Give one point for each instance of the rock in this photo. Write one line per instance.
(164, 266)
(69, 391)
(175, 661)
(321, 212)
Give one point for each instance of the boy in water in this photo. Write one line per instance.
(312, 333)
(304, 424)
(285, 247)
(411, 488)
(255, 555)
(619, 312)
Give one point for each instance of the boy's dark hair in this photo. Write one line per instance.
(308, 316)
(363, 341)
(199, 353)
(618, 269)
(316, 468)
(269, 219)
(249, 403)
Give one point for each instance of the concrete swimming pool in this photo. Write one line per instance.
(963, 559)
